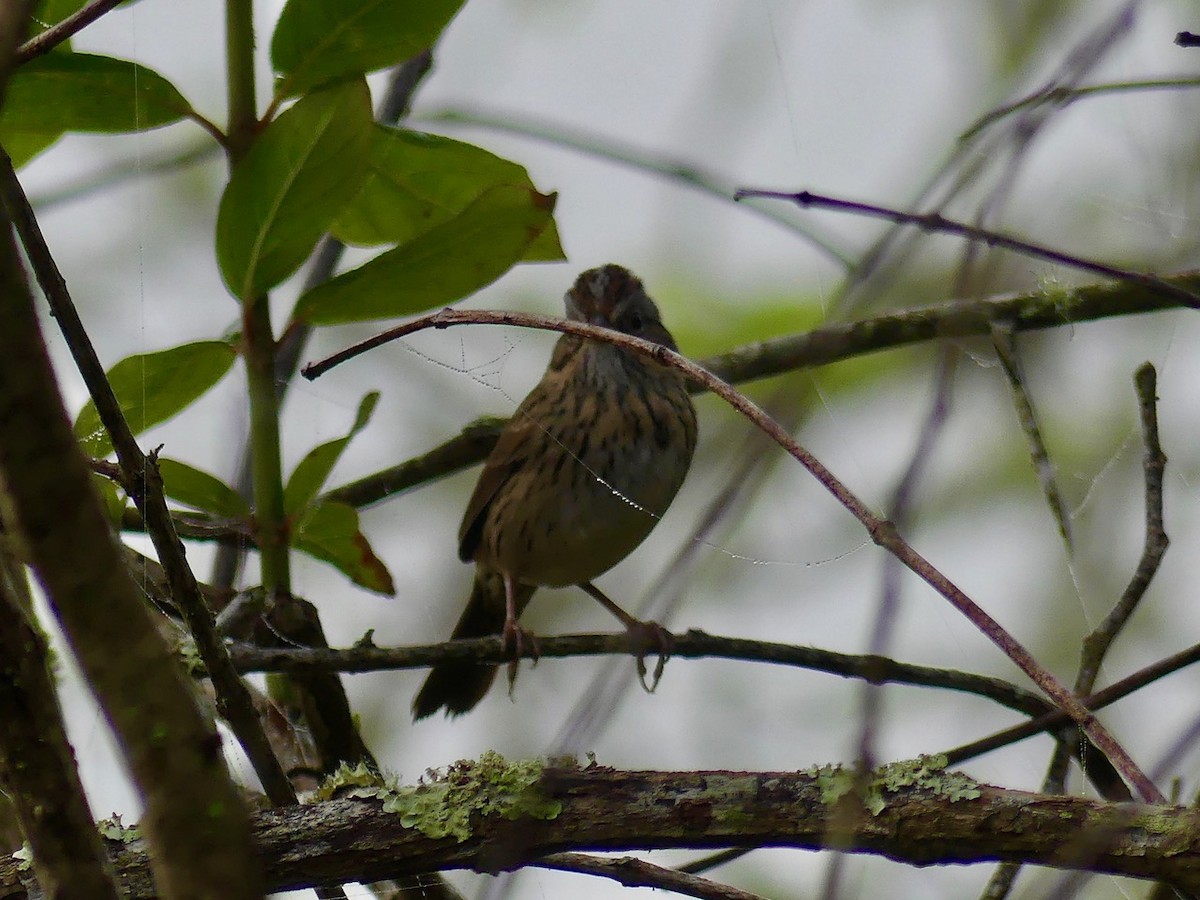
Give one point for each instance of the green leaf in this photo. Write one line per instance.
(417, 181)
(282, 196)
(113, 500)
(313, 471)
(329, 531)
(79, 92)
(192, 487)
(152, 387)
(22, 146)
(319, 40)
(444, 264)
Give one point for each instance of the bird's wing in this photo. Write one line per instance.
(521, 436)
(509, 455)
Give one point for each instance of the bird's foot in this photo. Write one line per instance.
(646, 638)
(520, 641)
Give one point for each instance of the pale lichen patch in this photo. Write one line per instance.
(925, 772)
(442, 803)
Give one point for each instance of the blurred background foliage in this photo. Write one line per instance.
(864, 99)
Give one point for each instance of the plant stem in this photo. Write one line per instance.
(271, 526)
(239, 53)
(258, 340)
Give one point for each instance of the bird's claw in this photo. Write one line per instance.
(519, 641)
(646, 638)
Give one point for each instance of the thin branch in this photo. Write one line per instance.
(1050, 308)
(693, 644)
(938, 222)
(713, 860)
(466, 448)
(140, 475)
(1102, 698)
(1064, 96)
(881, 531)
(1005, 345)
(1096, 645)
(633, 872)
(64, 30)
(1154, 462)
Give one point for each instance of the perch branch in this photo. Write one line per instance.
(922, 816)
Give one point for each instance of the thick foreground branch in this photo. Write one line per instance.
(913, 812)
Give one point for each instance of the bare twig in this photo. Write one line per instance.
(1154, 462)
(1064, 95)
(1098, 700)
(713, 860)
(64, 30)
(938, 222)
(692, 644)
(1004, 342)
(696, 644)
(881, 531)
(633, 872)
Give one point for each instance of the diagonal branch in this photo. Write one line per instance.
(882, 532)
(632, 872)
(64, 30)
(938, 222)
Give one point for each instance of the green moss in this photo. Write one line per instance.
(443, 803)
(114, 829)
(1059, 295)
(24, 858)
(926, 772)
(353, 781)
(190, 654)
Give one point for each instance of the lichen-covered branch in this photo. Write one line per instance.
(481, 816)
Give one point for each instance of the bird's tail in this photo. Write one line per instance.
(459, 686)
